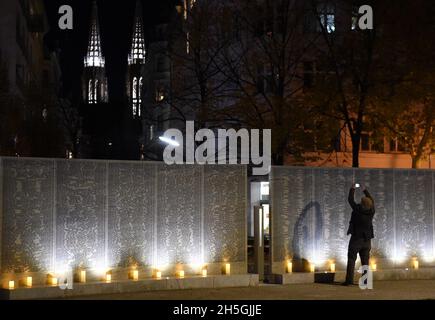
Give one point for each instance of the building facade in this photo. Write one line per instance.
(23, 25)
(157, 89)
(30, 82)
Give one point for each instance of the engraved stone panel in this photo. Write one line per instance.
(131, 213)
(311, 212)
(333, 214)
(413, 209)
(380, 183)
(178, 214)
(59, 214)
(27, 215)
(224, 213)
(80, 210)
(293, 212)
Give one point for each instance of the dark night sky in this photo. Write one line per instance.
(116, 19)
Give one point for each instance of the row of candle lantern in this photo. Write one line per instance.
(108, 277)
(332, 266)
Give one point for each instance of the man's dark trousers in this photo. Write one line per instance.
(359, 246)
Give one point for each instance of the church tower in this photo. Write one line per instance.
(94, 81)
(136, 62)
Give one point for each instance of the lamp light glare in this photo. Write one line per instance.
(82, 276)
(332, 267)
(54, 281)
(108, 278)
(158, 274)
(29, 282)
(169, 141)
(11, 285)
(227, 269)
(135, 275)
(204, 272)
(312, 267)
(289, 267)
(415, 263)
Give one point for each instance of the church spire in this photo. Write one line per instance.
(137, 52)
(94, 56)
(94, 81)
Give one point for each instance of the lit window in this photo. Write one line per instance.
(134, 88)
(187, 43)
(140, 96)
(134, 96)
(95, 91)
(327, 17)
(90, 90)
(328, 22)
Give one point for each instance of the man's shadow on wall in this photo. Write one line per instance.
(302, 243)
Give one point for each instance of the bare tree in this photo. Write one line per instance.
(265, 68)
(197, 87)
(350, 57)
(405, 106)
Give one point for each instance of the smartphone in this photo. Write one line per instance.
(357, 185)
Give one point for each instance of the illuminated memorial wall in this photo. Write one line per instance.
(311, 214)
(56, 214)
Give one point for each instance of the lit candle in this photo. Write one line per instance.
(415, 263)
(29, 282)
(11, 285)
(227, 269)
(135, 275)
(312, 267)
(82, 276)
(289, 267)
(332, 267)
(204, 272)
(108, 277)
(158, 274)
(181, 273)
(54, 281)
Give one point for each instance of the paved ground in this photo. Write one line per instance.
(412, 289)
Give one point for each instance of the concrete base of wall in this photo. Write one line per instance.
(120, 274)
(129, 286)
(291, 278)
(339, 276)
